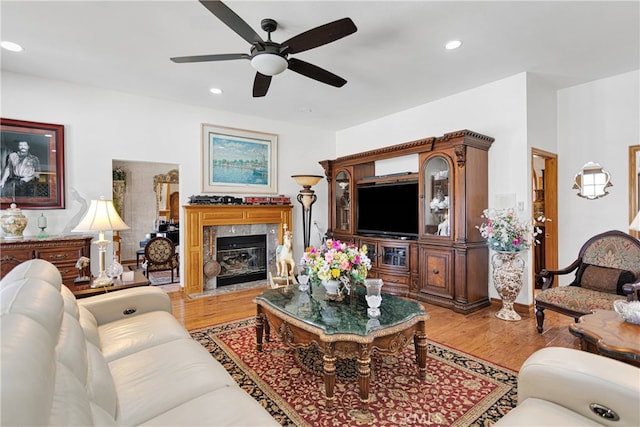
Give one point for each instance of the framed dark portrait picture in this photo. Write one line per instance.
(31, 164)
(238, 161)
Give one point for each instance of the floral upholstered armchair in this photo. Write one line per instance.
(607, 269)
(160, 255)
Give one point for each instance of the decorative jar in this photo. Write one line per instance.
(13, 223)
(508, 269)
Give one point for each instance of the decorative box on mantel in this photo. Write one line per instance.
(198, 217)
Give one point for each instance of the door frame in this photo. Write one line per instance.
(550, 208)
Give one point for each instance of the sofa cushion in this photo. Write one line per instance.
(603, 279)
(130, 335)
(158, 379)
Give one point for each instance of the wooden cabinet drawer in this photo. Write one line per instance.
(60, 256)
(395, 284)
(10, 258)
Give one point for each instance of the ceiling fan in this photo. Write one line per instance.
(270, 58)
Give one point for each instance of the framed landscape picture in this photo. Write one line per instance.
(31, 164)
(238, 161)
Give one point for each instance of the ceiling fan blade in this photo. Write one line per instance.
(316, 73)
(319, 36)
(261, 85)
(206, 58)
(232, 20)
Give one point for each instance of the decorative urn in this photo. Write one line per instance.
(13, 223)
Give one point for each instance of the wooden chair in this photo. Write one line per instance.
(607, 266)
(160, 255)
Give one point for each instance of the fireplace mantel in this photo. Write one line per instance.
(199, 216)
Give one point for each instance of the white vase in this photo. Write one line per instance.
(508, 269)
(331, 286)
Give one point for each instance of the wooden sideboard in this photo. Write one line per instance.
(62, 251)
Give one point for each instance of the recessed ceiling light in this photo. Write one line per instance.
(453, 44)
(13, 47)
(215, 90)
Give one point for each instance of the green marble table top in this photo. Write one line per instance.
(339, 317)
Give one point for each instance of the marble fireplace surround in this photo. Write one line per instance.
(269, 230)
(224, 221)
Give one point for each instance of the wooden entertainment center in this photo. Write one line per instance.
(446, 262)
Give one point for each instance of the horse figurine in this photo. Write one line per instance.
(284, 255)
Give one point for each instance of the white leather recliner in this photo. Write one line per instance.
(566, 387)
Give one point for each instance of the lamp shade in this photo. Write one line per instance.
(635, 224)
(307, 180)
(101, 216)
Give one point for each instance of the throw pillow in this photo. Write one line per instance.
(603, 279)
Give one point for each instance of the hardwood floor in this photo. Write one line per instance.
(481, 334)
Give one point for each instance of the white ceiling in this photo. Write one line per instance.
(396, 60)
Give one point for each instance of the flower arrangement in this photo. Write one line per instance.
(505, 232)
(119, 174)
(335, 259)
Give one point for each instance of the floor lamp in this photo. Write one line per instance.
(101, 217)
(307, 198)
(635, 224)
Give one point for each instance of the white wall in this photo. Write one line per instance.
(597, 122)
(102, 125)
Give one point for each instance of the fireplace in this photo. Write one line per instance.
(205, 224)
(241, 258)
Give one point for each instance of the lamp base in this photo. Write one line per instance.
(102, 280)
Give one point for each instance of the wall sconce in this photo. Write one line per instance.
(307, 198)
(592, 181)
(101, 217)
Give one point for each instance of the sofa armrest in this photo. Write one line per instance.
(549, 275)
(576, 379)
(126, 303)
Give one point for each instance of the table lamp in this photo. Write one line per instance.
(101, 217)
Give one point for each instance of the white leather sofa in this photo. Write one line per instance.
(560, 386)
(114, 359)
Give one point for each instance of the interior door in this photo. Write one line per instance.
(544, 167)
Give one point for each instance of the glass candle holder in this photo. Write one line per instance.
(374, 296)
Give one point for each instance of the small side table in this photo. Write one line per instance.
(85, 290)
(605, 333)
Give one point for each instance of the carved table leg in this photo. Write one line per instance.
(364, 375)
(259, 329)
(420, 342)
(329, 365)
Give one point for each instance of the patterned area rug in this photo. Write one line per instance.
(460, 390)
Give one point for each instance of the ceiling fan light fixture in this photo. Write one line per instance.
(269, 64)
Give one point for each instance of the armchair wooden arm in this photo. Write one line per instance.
(632, 291)
(549, 275)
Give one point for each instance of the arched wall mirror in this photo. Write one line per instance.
(167, 196)
(592, 181)
(634, 185)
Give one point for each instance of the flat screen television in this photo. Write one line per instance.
(388, 210)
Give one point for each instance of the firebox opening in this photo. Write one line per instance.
(241, 258)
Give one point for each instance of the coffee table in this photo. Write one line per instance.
(85, 290)
(342, 329)
(605, 333)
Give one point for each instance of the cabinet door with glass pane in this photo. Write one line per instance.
(438, 197)
(342, 193)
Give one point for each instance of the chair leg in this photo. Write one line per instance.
(539, 319)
